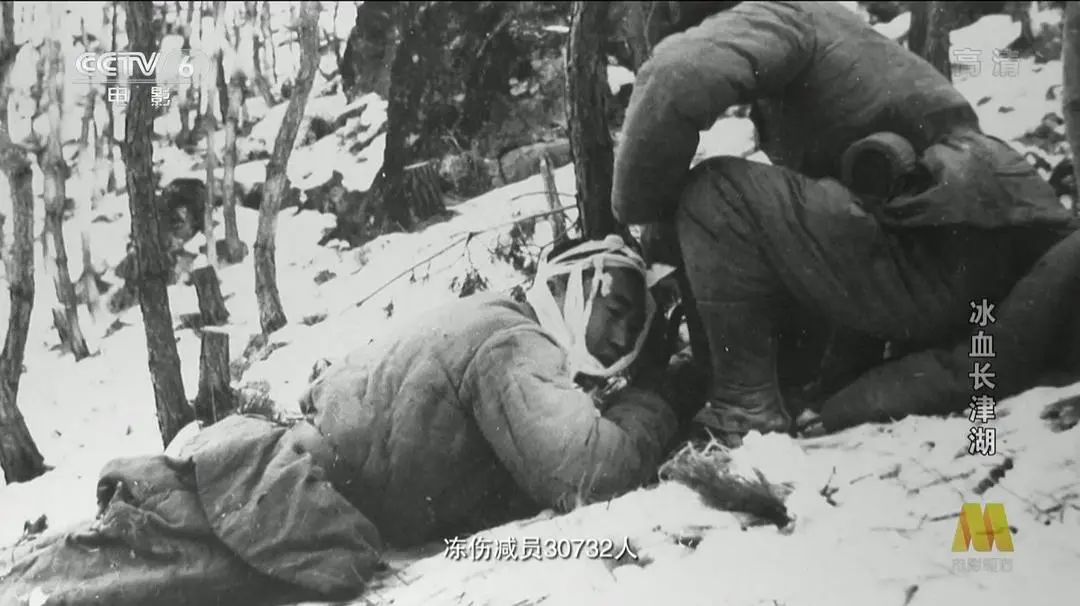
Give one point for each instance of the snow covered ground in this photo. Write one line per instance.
(897, 488)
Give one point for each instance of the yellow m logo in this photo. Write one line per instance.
(983, 528)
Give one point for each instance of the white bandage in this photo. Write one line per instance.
(568, 325)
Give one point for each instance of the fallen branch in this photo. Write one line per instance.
(465, 238)
(542, 193)
(706, 470)
(558, 226)
(461, 239)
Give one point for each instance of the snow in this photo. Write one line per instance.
(618, 77)
(895, 29)
(897, 483)
(897, 490)
(985, 35)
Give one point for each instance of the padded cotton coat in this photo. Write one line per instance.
(818, 78)
(469, 417)
(464, 419)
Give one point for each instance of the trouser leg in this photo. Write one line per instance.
(1028, 338)
(755, 236)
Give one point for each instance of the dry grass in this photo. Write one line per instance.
(706, 468)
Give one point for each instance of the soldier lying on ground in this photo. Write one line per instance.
(470, 417)
(886, 213)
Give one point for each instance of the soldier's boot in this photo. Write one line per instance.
(744, 394)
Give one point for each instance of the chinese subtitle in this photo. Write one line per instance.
(534, 548)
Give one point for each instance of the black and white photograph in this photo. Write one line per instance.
(492, 303)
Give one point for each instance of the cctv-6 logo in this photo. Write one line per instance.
(135, 66)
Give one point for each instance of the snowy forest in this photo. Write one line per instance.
(248, 191)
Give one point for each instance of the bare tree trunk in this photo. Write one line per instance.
(88, 110)
(635, 31)
(89, 278)
(19, 456)
(558, 221)
(268, 38)
(257, 53)
(221, 40)
(590, 139)
(410, 82)
(370, 50)
(212, 310)
(198, 90)
(152, 269)
(235, 250)
(271, 314)
(237, 32)
(187, 95)
(332, 38)
(215, 398)
(493, 56)
(920, 19)
(928, 35)
(88, 165)
(55, 172)
(110, 129)
(937, 37)
(211, 192)
(294, 41)
(210, 124)
(37, 94)
(1070, 59)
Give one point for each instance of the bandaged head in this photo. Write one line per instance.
(569, 323)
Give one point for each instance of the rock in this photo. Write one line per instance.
(521, 163)
(323, 191)
(253, 198)
(467, 174)
(317, 128)
(354, 222)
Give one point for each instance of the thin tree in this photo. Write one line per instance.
(258, 52)
(187, 96)
(151, 267)
(491, 48)
(234, 250)
(55, 172)
(1070, 59)
(590, 139)
(928, 35)
(88, 166)
(19, 456)
(270, 54)
(334, 42)
(210, 125)
(271, 314)
(110, 127)
(632, 31)
(197, 90)
(37, 94)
